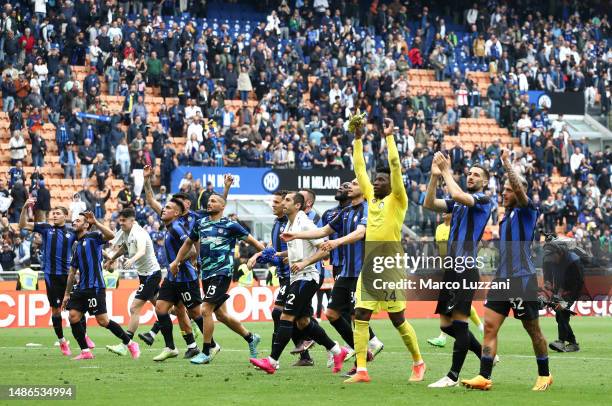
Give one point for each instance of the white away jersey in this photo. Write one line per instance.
(138, 237)
(303, 249)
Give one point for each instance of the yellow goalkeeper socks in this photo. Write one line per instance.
(410, 340)
(361, 336)
(474, 317)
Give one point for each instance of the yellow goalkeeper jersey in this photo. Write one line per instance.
(385, 216)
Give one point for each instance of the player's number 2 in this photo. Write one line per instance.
(290, 299)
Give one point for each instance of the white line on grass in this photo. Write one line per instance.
(439, 354)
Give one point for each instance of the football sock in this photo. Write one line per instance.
(317, 333)
(200, 322)
(360, 338)
(543, 366)
(79, 334)
(57, 325)
(84, 324)
(166, 329)
(474, 345)
(449, 330)
(486, 366)
(248, 337)
(283, 335)
(206, 348)
(119, 332)
(155, 329)
(189, 340)
(344, 329)
(460, 348)
(130, 334)
(276, 313)
(409, 338)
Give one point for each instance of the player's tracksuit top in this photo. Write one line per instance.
(87, 259)
(217, 243)
(345, 223)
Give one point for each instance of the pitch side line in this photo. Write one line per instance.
(502, 355)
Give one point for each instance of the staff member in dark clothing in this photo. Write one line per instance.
(563, 282)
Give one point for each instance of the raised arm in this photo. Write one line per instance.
(24, 224)
(454, 189)
(360, 165)
(514, 179)
(107, 233)
(149, 195)
(397, 184)
(228, 180)
(431, 202)
(309, 234)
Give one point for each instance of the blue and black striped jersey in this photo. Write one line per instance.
(176, 234)
(335, 256)
(87, 259)
(516, 232)
(57, 245)
(345, 223)
(467, 225)
(280, 223)
(217, 243)
(189, 219)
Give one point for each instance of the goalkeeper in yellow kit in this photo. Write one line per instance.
(387, 204)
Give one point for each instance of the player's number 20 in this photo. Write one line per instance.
(93, 302)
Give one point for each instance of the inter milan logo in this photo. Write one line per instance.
(67, 235)
(221, 231)
(282, 229)
(190, 219)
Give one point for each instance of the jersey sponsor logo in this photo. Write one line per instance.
(381, 205)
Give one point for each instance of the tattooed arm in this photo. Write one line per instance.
(515, 180)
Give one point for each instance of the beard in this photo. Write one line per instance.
(473, 189)
(341, 197)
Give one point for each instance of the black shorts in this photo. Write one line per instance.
(460, 300)
(88, 300)
(520, 298)
(336, 271)
(298, 301)
(186, 292)
(149, 286)
(215, 289)
(343, 295)
(282, 291)
(56, 288)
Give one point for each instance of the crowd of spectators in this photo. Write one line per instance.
(360, 57)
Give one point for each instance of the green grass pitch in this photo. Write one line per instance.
(580, 378)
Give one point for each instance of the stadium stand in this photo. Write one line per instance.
(205, 75)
